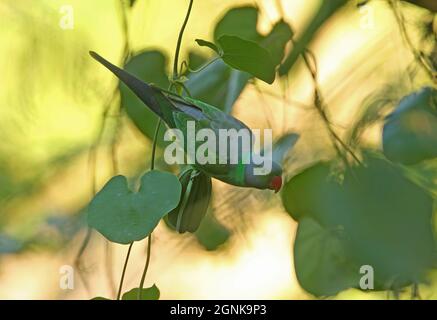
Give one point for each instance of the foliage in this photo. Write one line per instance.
(410, 132)
(358, 207)
(151, 293)
(370, 214)
(123, 216)
(239, 44)
(246, 55)
(326, 10)
(344, 210)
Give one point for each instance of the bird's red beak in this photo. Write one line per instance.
(276, 183)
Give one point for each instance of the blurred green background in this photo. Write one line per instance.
(52, 102)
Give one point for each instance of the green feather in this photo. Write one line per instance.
(176, 111)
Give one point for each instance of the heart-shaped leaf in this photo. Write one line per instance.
(247, 56)
(276, 41)
(241, 22)
(211, 233)
(322, 267)
(123, 216)
(218, 85)
(151, 293)
(410, 132)
(375, 206)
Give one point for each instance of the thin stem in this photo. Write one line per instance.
(113, 150)
(120, 287)
(285, 86)
(417, 55)
(146, 267)
(319, 104)
(318, 100)
(266, 110)
(178, 46)
(173, 94)
(155, 138)
(149, 244)
(201, 68)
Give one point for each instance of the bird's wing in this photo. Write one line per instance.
(208, 117)
(181, 120)
(203, 111)
(151, 96)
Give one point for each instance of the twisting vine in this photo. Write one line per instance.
(318, 101)
(178, 45)
(123, 273)
(320, 107)
(174, 83)
(149, 238)
(418, 56)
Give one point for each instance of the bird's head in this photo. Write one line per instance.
(272, 180)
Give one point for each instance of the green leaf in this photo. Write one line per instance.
(241, 22)
(151, 293)
(149, 66)
(123, 216)
(374, 206)
(212, 46)
(211, 233)
(218, 85)
(276, 41)
(196, 60)
(322, 267)
(410, 132)
(298, 194)
(247, 56)
(326, 10)
(100, 298)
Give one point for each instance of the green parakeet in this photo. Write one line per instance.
(177, 111)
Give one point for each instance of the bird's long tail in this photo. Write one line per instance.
(151, 96)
